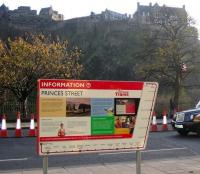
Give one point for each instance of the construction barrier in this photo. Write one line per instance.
(3, 132)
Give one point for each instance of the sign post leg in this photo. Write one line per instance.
(138, 162)
(45, 164)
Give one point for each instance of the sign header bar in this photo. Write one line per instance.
(92, 84)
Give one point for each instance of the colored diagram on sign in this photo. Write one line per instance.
(126, 106)
(102, 107)
(102, 125)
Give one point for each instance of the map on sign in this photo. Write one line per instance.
(87, 116)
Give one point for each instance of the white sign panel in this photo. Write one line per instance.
(87, 116)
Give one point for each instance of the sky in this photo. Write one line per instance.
(77, 8)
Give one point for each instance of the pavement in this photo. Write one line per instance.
(186, 165)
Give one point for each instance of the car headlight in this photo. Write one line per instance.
(191, 117)
(180, 116)
(197, 118)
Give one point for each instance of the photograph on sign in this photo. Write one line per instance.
(88, 116)
(78, 107)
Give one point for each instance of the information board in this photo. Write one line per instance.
(89, 116)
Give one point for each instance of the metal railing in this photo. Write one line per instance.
(11, 108)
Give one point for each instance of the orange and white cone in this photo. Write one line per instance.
(4, 132)
(31, 132)
(164, 124)
(154, 127)
(18, 129)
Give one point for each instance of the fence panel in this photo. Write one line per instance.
(11, 108)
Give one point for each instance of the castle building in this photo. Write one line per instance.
(50, 13)
(25, 11)
(22, 11)
(3, 10)
(155, 14)
(111, 15)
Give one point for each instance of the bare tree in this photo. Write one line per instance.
(171, 48)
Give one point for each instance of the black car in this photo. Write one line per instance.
(187, 121)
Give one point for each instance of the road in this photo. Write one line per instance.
(20, 153)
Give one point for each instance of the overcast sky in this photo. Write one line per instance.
(77, 8)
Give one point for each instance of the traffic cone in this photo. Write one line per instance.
(164, 124)
(4, 132)
(18, 129)
(31, 132)
(154, 127)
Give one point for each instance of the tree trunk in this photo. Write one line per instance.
(177, 90)
(24, 108)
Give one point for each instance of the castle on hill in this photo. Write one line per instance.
(145, 14)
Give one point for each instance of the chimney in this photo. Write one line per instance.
(150, 4)
(138, 4)
(184, 7)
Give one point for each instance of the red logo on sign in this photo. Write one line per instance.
(122, 93)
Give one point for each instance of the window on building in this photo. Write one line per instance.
(156, 14)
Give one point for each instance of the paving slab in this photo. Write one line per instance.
(187, 165)
(78, 170)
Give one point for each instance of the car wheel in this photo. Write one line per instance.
(198, 131)
(183, 132)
